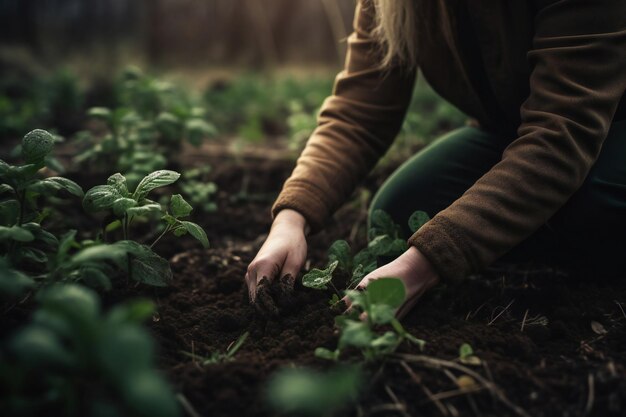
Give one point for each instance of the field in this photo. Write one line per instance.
(121, 300)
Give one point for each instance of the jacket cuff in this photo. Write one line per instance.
(305, 199)
(441, 244)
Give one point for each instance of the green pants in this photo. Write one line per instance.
(586, 236)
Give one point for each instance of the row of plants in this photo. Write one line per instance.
(141, 109)
(73, 357)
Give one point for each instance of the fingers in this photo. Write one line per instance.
(290, 271)
(258, 270)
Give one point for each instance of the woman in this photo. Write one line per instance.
(543, 176)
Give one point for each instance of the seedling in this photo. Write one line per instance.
(143, 264)
(385, 241)
(467, 356)
(311, 393)
(371, 312)
(74, 360)
(24, 243)
(150, 124)
(219, 357)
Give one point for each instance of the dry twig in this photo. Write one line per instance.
(445, 364)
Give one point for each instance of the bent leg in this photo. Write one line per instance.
(438, 175)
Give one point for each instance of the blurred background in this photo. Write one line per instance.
(259, 69)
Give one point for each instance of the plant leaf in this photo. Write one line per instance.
(318, 278)
(36, 145)
(68, 185)
(122, 204)
(179, 207)
(340, 251)
(144, 210)
(417, 220)
(197, 232)
(388, 291)
(100, 198)
(154, 180)
(355, 333)
(149, 268)
(17, 233)
(13, 283)
(118, 181)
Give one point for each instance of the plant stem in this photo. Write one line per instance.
(335, 288)
(22, 201)
(167, 229)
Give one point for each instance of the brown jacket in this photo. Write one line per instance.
(549, 73)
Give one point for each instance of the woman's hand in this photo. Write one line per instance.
(282, 255)
(415, 271)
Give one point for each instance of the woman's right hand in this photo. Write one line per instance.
(282, 255)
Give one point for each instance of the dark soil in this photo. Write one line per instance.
(567, 359)
(548, 344)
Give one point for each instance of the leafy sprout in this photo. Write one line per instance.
(143, 264)
(380, 333)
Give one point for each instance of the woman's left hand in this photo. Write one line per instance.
(415, 271)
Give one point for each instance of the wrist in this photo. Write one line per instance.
(420, 263)
(291, 218)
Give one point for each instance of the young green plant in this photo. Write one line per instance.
(370, 324)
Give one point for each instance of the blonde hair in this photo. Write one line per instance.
(396, 31)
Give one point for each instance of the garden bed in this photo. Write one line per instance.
(548, 345)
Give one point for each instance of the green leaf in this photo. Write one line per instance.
(381, 313)
(388, 291)
(17, 233)
(179, 207)
(149, 268)
(305, 392)
(417, 220)
(99, 113)
(113, 226)
(34, 255)
(148, 394)
(340, 251)
(100, 198)
(388, 342)
(67, 242)
(118, 181)
(136, 312)
(5, 188)
(465, 351)
(380, 245)
(36, 145)
(73, 301)
(144, 210)
(383, 224)
(323, 353)
(122, 204)
(52, 185)
(95, 277)
(197, 232)
(40, 348)
(124, 350)
(9, 212)
(197, 130)
(115, 252)
(170, 220)
(13, 283)
(355, 333)
(154, 180)
(318, 278)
